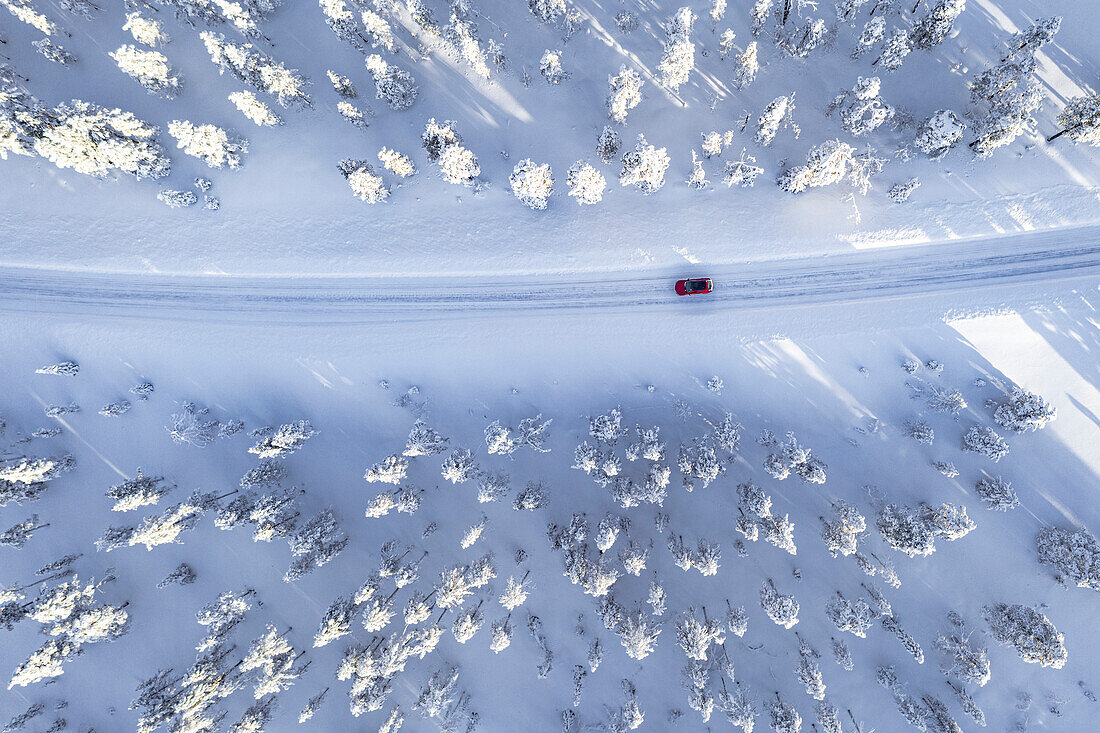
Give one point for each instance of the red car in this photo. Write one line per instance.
(694, 286)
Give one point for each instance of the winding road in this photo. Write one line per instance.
(960, 265)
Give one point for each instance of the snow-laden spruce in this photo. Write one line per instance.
(678, 59)
(586, 183)
(255, 110)
(365, 184)
(1080, 119)
(1030, 632)
(397, 163)
(457, 164)
(281, 442)
(914, 531)
(209, 143)
(532, 183)
(781, 609)
(1075, 555)
(1024, 411)
(625, 94)
(149, 68)
(826, 164)
(258, 70)
(777, 114)
(861, 108)
(393, 84)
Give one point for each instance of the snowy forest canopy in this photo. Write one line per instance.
(704, 94)
(679, 536)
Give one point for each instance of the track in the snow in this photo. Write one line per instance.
(862, 275)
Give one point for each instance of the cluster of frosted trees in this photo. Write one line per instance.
(97, 141)
(409, 608)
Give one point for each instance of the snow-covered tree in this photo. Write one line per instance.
(799, 42)
(781, 609)
(854, 617)
(891, 624)
(146, 31)
(392, 84)
(209, 143)
(45, 663)
(1031, 633)
(336, 623)
(547, 11)
(459, 466)
(608, 144)
(184, 574)
(397, 163)
(638, 635)
(946, 400)
(283, 441)
(968, 663)
(54, 52)
(174, 199)
(678, 59)
(742, 172)
(842, 535)
(390, 470)
(899, 193)
(984, 440)
(1024, 411)
(255, 110)
(937, 134)
(586, 184)
(24, 11)
(1080, 119)
(532, 183)
(997, 493)
(872, 34)
(826, 164)
(314, 544)
(89, 139)
(625, 94)
(808, 673)
(255, 717)
(695, 637)
(467, 623)
(861, 108)
(932, 29)
(740, 710)
(550, 67)
(1007, 95)
(1074, 555)
(256, 69)
(778, 113)
(149, 68)
(894, 50)
(747, 65)
(784, 717)
(137, 492)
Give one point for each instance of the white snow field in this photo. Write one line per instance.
(334, 448)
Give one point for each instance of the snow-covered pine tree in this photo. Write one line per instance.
(625, 94)
(826, 164)
(393, 84)
(1080, 119)
(1024, 411)
(1074, 555)
(149, 68)
(586, 184)
(678, 59)
(532, 184)
(781, 609)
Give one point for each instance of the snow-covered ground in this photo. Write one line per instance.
(879, 334)
(831, 374)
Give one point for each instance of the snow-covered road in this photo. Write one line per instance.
(1041, 256)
